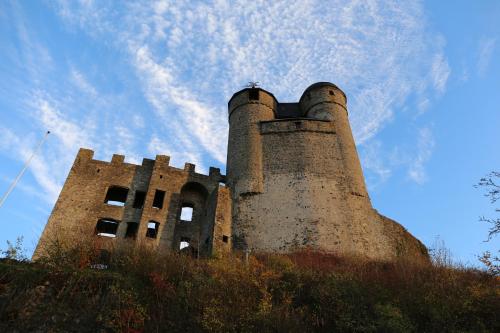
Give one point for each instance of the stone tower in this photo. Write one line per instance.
(294, 182)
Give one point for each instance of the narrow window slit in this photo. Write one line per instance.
(140, 196)
(158, 199)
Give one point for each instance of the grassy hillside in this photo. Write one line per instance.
(305, 292)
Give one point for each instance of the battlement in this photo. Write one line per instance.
(86, 155)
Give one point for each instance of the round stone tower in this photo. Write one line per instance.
(296, 180)
(325, 101)
(247, 108)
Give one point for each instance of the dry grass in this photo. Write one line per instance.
(143, 291)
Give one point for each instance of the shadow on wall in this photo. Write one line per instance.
(192, 230)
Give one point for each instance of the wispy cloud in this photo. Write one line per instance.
(82, 83)
(485, 52)
(187, 58)
(164, 92)
(440, 72)
(194, 56)
(68, 132)
(373, 159)
(52, 163)
(178, 156)
(20, 149)
(425, 147)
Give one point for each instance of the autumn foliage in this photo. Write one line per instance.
(143, 291)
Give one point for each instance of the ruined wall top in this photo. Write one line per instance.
(87, 155)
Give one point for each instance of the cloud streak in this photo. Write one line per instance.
(486, 49)
(185, 60)
(376, 51)
(425, 146)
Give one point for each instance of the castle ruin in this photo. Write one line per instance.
(294, 182)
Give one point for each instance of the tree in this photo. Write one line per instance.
(491, 184)
(15, 251)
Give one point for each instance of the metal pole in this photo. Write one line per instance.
(25, 167)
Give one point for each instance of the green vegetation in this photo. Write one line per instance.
(143, 291)
(490, 184)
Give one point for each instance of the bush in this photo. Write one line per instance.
(143, 291)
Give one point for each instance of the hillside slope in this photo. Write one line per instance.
(303, 292)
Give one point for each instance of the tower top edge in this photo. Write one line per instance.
(247, 89)
(318, 85)
(313, 86)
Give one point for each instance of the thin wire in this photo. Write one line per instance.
(25, 167)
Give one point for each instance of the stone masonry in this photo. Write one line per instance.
(294, 182)
(118, 202)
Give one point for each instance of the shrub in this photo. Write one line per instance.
(144, 291)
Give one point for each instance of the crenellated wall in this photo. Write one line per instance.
(81, 204)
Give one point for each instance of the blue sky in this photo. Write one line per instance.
(140, 79)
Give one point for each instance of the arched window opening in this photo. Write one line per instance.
(184, 243)
(106, 227)
(132, 228)
(152, 231)
(116, 196)
(191, 220)
(187, 212)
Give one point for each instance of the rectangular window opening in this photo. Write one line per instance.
(187, 213)
(225, 238)
(253, 94)
(140, 196)
(158, 199)
(132, 228)
(106, 227)
(116, 196)
(184, 243)
(152, 231)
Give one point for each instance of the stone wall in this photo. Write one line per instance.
(294, 181)
(311, 192)
(81, 204)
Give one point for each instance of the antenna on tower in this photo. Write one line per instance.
(25, 167)
(252, 84)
